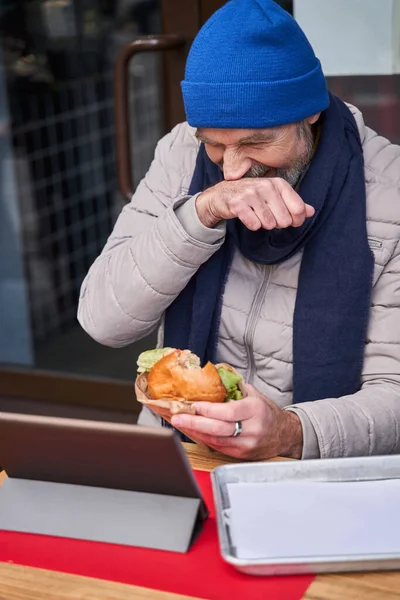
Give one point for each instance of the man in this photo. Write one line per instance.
(266, 234)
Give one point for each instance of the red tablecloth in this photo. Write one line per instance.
(200, 573)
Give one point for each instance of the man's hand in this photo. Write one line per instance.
(266, 202)
(267, 430)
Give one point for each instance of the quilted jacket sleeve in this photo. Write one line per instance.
(157, 244)
(368, 422)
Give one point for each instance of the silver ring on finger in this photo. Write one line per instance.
(238, 429)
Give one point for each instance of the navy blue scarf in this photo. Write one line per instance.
(335, 280)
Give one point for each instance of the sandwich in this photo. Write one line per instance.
(169, 381)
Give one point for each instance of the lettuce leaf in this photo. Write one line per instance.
(148, 359)
(231, 381)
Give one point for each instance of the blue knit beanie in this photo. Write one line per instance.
(251, 66)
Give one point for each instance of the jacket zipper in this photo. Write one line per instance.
(252, 322)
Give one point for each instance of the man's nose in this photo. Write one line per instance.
(234, 166)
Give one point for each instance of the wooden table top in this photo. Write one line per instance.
(26, 583)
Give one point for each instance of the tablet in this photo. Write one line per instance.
(94, 453)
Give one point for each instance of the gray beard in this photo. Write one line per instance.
(295, 172)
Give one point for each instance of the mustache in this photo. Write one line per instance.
(257, 170)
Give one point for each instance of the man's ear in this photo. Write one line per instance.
(313, 119)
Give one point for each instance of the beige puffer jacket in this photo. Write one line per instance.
(158, 243)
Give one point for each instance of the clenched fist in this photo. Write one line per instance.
(264, 202)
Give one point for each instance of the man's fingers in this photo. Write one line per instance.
(203, 425)
(277, 205)
(310, 211)
(249, 218)
(274, 204)
(293, 202)
(269, 203)
(235, 410)
(239, 447)
(265, 213)
(228, 445)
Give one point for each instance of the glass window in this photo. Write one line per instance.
(58, 168)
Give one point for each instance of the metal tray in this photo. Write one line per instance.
(344, 469)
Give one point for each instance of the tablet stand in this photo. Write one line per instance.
(98, 514)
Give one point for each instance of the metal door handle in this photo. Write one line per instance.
(152, 43)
